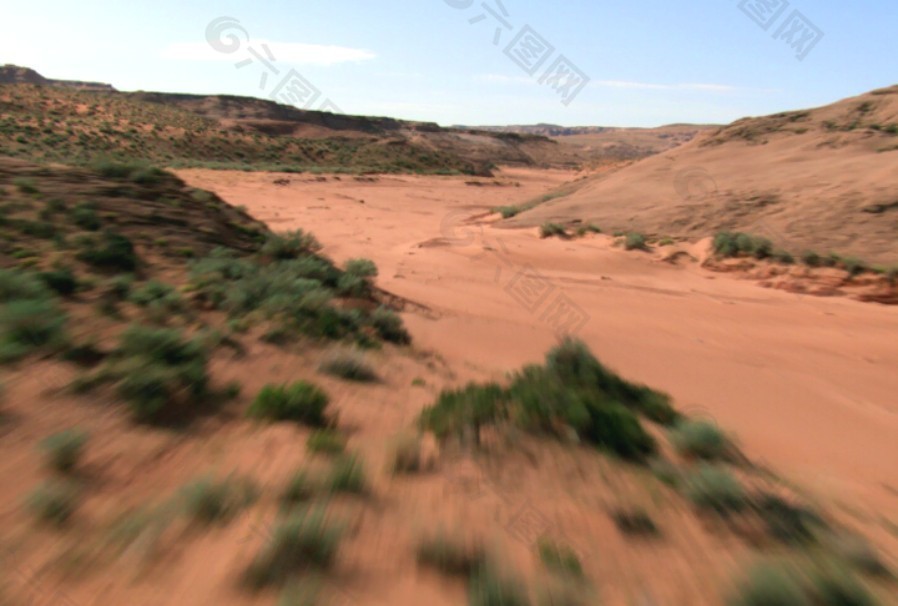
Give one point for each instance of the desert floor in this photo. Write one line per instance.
(808, 384)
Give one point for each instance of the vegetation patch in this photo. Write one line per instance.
(573, 392)
(301, 402)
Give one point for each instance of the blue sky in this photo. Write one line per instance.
(648, 62)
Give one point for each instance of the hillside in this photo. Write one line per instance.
(597, 144)
(823, 180)
(75, 122)
(13, 74)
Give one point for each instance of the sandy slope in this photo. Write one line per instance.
(822, 180)
(808, 384)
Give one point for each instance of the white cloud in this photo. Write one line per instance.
(283, 52)
(500, 79)
(715, 88)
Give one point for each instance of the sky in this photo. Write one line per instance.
(474, 62)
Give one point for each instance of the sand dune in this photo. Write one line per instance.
(821, 180)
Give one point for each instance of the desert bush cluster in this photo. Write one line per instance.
(573, 391)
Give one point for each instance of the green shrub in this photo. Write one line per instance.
(701, 439)
(113, 252)
(326, 441)
(507, 212)
(207, 501)
(572, 392)
(62, 280)
(304, 542)
(836, 587)
(17, 285)
(460, 411)
(635, 241)
(588, 229)
(854, 267)
(634, 522)
(549, 230)
(811, 259)
(63, 450)
(301, 402)
(715, 489)
(290, 245)
(363, 268)
(348, 364)
(119, 287)
(559, 558)
(85, 217)
(25, 185)
(783, 257)
(347, 475)
(159, 373)
(29, 325)
(450, 556)
(575, 365)
(769, 585)
(488, 587)
(786, 522)
(735, 244)
(157, 294)
(300, 488)
(54, 502)
(389, 326)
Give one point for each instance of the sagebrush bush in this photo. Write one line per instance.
(833, 586)
(154, 292)
(549, 230)
(305, 541)
(27, 325)
(290, 245)
(347, 475)
(348, 364)
(111, 251)
(61, 280)
(715, 489)
(85, 216)
(634, 522)
(326, 441)
(464, 411)
(701, 439)
(63, 450)
(575, 365)
(769, 585)
(389, 326)
(356, 280)
(300, 488)
(635, 241)
(18, 285)
(507, 212)
(450, 555)
(559, 558)
(159, 372)
(491, 587)
(788, 523)
(573, 391)
(54, 502)
(302, 402)
(735, 244)
(208, 501)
